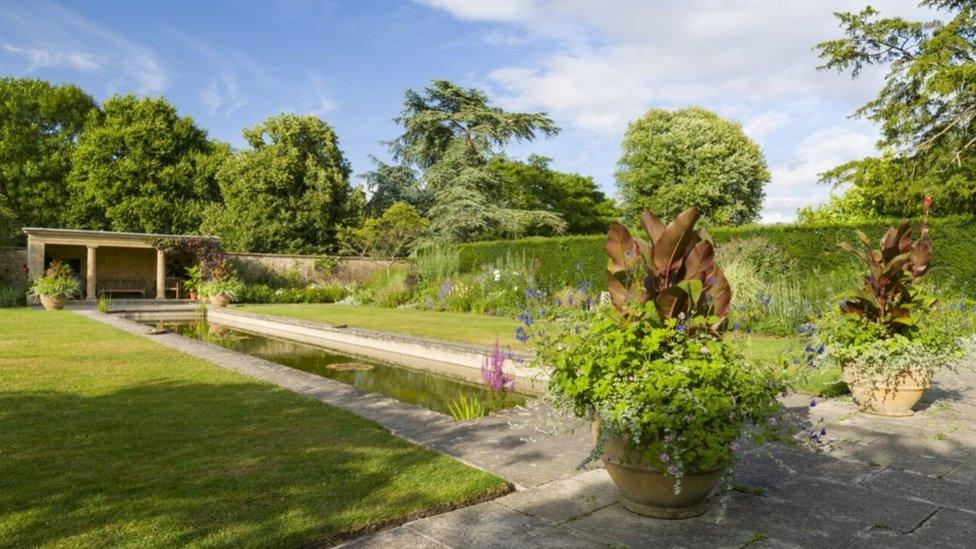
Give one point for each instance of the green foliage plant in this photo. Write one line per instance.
(104, 302)
(890, 328)
(652, 366)
(464, 408)
(58, 281)
(691, 156)
(12, 295)
(261, 293)
(224, 282)
(193, 280)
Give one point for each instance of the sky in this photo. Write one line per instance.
(592, 65)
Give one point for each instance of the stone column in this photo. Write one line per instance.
(160, 274)
(35, 257)
(91, 288)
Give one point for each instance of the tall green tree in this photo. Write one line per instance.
(673, 160)
(288, 192)
(39, 126)
(926, 109)
(388, 184)
(139, 166)
(451, 133)
(533, 185)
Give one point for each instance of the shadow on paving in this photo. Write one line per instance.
(895, 482)
(169, 463)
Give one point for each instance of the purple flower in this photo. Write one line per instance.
(664, 457)
(813, 403)
(772, 422)
(493, 371)
(521, 335)
(734, 446)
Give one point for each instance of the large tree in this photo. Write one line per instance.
(673, 160)
(288, 192)
(140, 166)
(39, 126)
(450, 134)
(533, 185)
(926, 110)
(388, 184)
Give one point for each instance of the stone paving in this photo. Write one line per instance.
(876, 482)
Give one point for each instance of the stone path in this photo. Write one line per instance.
(877, 482)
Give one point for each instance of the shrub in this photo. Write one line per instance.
(260, 293)
(12, 295)
(810, 248)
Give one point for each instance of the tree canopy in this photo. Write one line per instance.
(673, 160)
(388, 184)
(391, 234)
(139, 166)
(533, 185)
(289, 192)
(451, 133)
(39, 125)
(926, 110)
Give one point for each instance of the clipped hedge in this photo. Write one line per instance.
(261, 293)
(569, 261)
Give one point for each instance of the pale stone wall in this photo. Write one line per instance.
(306, 269)
(13, 265)
(128, 263)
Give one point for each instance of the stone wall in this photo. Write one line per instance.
(13, 264)
(279, 269)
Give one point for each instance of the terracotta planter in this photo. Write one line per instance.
(894, 398)
(193, 296)
(219, 300)
(54, 302)
(645, 491)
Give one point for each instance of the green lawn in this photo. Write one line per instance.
(111, 439)
(461, 327)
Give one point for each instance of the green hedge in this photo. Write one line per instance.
(567, 261)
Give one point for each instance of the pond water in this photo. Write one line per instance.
(426, 389)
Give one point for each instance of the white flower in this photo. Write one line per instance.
(498, 275)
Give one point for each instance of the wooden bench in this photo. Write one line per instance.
(175, 285)
(121, 286)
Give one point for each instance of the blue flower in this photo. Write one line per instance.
(521, 335)
(813, 403)
(765, 299)
(579, 266)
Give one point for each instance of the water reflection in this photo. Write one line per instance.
(412, 386)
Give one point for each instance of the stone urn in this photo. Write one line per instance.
(219, 300)
(645, 491)
(54, 302)
(890, 397)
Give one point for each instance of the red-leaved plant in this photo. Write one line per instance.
(674, 268)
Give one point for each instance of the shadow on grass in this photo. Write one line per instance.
(232, 464)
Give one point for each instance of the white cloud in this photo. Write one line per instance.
(38, 58)
(765, 123)
(749, 59)
(794, 182)
(319, 98)
(46, 35)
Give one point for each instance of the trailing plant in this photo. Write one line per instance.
(206, 249)
(651, 366)
(58, 281)
(464, 408)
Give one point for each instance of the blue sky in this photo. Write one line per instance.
(592, 65)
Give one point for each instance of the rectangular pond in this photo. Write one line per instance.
(423, 388)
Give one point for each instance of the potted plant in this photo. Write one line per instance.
(667, 397)
(55, 287)
(223, 287)
(194, 278)
(887, 337)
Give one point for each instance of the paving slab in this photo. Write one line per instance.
(920, 488)
(947, 528)
(564, 500)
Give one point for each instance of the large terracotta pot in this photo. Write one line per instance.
(894, 397)
(54, 302)
(645, 491)
(219, 300)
